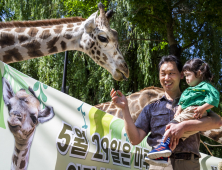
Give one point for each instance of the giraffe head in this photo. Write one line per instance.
(100, 42)
(24, 113)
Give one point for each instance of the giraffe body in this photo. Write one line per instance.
(24, 116)
(93, 36)
(137, 101)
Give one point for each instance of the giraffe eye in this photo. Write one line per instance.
(102, 39)
(34, 119)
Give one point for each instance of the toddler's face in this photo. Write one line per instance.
(191, 79)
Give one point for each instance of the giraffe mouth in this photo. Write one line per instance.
(14, 127)
(124, 77)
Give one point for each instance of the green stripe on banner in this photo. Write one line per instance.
(2, 123)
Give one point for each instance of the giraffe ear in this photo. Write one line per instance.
(90, 23)
(46, 114)
(7, 91)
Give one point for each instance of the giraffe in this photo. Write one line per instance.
(24, 115)
(93, 36)
(137, 101)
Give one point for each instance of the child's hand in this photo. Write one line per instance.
(199, 111)
(176, 114)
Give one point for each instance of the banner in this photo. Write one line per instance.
(61, 132)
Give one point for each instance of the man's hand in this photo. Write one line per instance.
(199, 111)
(175, 132)
(120, 101)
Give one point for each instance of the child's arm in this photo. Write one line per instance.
(199, 111)
(179, 110)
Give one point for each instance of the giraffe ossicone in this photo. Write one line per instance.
(93, 36)
(137, 101)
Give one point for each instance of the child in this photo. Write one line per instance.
(195, 102)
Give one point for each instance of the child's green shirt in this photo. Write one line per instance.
(199, 95)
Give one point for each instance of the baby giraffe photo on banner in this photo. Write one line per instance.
(24, 116)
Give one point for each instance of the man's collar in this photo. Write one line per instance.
(174, 102)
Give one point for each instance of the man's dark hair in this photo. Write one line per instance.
(196, 64)
(171, 58)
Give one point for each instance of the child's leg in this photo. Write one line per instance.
(187, 114)
(162, 150)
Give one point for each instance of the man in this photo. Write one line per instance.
(155, 116)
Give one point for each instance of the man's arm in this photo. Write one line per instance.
(135, 135)
(212, 121)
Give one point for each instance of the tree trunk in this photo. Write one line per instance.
(175, 50)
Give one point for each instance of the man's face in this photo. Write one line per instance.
(170, 76)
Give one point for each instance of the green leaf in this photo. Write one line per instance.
(45, 86)
(43, 96)
(36, 86)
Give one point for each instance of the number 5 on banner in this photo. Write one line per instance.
(64, 139)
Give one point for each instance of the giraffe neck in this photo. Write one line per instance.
(20, 158)
(24, 43)
(20, 155)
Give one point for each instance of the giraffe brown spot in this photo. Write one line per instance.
(44, 27)
(79, 23)
(68, 36)
(63, 45)
(115, 53)
(15, 160)
(6, 39)
(93, 51)
(94, 48)
(97, 58)
(22, 164)
(80, 46)
(7, 29)
(87, 48)
(135, 108)
(105, 107)
(93, 43)
(102, 63)
(25, 152)
(215, 135)
(10, 54)
(112, 112)
(45, 34)
(119, 58)
(17, 150)
(69, 25)
(69, 29)
(146, 97)
(84, 41)
(76, 29)
(20, 29)
(58, 29)
(99, 47)
(33, 31)
(88, 43)
(51, 45)
(105, 57)
(22, 38)
(33, 48)
(97, 43)
(134, 96)
(94, 57)
(98, 52)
